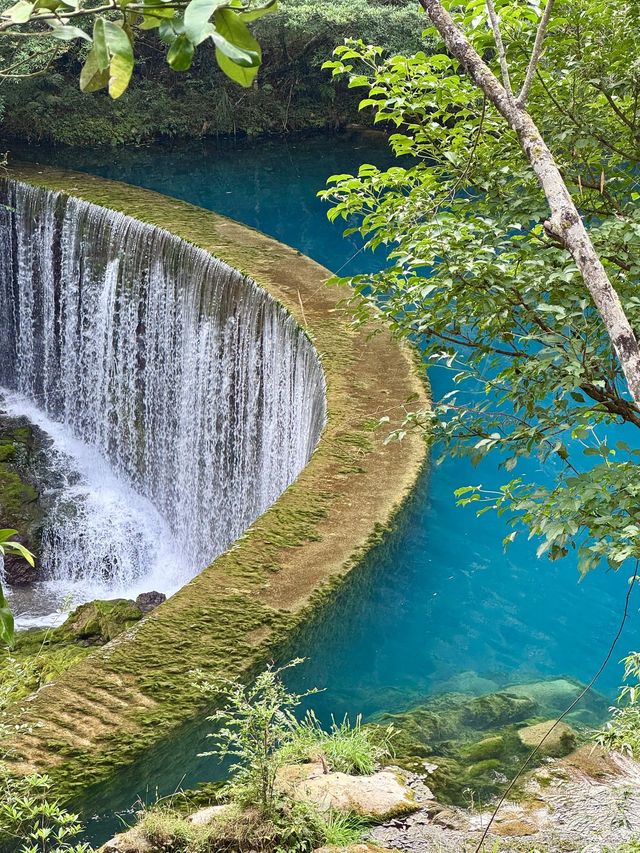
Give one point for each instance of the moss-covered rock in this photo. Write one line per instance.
(497, 709)
(97, 622)
(41, 656)
(551, 738)
(488, 747)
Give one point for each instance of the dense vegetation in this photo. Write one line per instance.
(291, 93)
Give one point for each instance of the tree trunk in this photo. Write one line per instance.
(565, 223)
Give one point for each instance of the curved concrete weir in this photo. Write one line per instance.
(228, 619)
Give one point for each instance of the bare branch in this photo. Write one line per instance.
(536, 53)
(502, 55)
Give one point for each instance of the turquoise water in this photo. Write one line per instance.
(439, 598)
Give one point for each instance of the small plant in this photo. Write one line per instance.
(29, 816)
(256, 722)
(341, 829)
(345, 748)
(622, 731)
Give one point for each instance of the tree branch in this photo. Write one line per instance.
(565, 222)
(536, 53)
(502, 55)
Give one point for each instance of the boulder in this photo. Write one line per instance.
(379, 797)
(560, 739)
(148, 601)
(496, 709)
(97, 622)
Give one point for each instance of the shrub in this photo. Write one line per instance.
(255, 723)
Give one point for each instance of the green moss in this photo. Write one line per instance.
(7, 451)
(488, 747)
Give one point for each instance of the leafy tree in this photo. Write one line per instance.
(487, 277)
(9, 546)
(46, 26)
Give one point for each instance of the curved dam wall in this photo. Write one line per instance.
(235, 614)
(195, 384)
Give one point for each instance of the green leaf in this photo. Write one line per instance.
(239, 73)
(92, 77)
(180, 55)
(20, 13)
(196, 19)
(100, 45)
(6, 622)
(18, 548)
(233, 38)
(254, 14)
(67, 33)
(121, 54)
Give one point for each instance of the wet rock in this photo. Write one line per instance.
(379, 797)
(148, 601)
(552, 738)
(98, 622)
(497, 709)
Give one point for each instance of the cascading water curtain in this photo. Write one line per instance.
(195, 385)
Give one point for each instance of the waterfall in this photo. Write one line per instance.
(159, 368)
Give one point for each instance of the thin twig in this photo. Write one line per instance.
(502, 56)
(536, 53)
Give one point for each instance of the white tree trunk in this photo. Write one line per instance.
(565, 223)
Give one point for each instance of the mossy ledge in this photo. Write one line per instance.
(228, 620)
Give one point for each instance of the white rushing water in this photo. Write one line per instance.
(183, 398)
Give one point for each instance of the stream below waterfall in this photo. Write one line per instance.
(439, 605)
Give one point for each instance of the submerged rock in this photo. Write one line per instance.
(497, 709)
(98, 622)
(148, 601)
(552, 737)
(379, 797)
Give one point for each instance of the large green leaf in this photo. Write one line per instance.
(234, 39)
(197, 16)
(180, 55)
(121, 55)
(242, 74)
